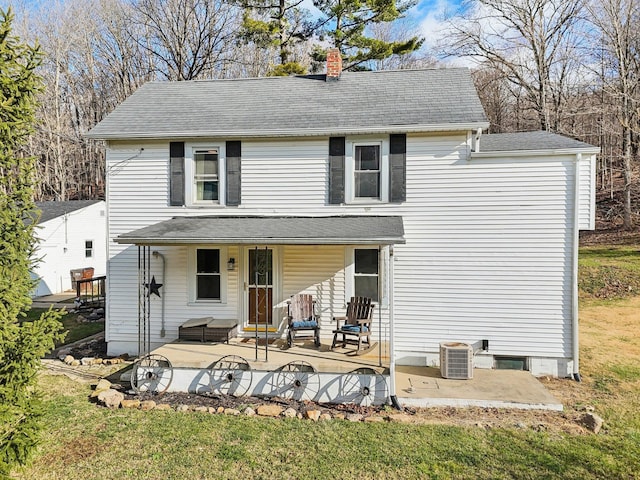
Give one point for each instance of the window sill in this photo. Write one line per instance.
(195, 303)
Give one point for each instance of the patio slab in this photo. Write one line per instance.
(487, 388)
(184, 354)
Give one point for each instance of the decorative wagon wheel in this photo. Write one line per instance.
(151, 374)
(298, 381)
(363, 386)
(231, 375)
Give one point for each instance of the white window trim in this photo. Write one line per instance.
(189, 171)
(383, 271)
(191, 274)
(349, 184)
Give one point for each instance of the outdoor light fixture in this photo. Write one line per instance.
(231, 264)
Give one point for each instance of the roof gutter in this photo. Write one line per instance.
(535, 153)
(298, 132)
(252, 241)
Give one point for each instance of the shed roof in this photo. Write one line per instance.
(54, 209)
(359, 102)
(539, 140)
(277, 230)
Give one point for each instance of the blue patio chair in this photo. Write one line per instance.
(301, 316)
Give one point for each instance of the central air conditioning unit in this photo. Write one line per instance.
(456, 360)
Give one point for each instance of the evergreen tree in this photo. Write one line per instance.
(22, 343)
(277, 23)
(345, 23)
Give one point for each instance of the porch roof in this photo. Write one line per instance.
(277, 230)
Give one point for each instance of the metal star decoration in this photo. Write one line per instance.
(153, 287)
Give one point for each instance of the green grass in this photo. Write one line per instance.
(75, 330)
(609, 272)
(85, 441)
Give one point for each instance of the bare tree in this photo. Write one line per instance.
(187, 39)
(532, 43)
(400, 30)
(617, 28)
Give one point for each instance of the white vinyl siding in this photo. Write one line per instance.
(487, 256)
(62, 247)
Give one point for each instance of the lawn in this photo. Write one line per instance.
(84, 441)
(75, 330)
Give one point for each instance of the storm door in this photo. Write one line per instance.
(259, 275)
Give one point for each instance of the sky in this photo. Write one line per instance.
(428, 15)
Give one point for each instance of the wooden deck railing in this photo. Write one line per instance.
(90, 292)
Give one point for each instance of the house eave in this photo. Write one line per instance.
(271, 230)
(302, 132)
(257, 240)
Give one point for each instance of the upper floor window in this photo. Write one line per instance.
(206, 175)
(88, 248)
(367, 169)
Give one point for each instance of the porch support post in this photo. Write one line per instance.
(392, 350)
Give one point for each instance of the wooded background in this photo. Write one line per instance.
(567, 66)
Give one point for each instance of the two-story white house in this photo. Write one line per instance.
(236, 194)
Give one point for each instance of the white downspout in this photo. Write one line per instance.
(574, 274)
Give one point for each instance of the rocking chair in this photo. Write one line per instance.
(301, 317)
(356, 329)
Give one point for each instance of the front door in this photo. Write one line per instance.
(259, 275)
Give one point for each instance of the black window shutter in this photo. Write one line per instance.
(176, 173)
(336, 170)
(234, 178)
(398, 168)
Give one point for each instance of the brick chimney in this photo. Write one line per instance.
(334, 64)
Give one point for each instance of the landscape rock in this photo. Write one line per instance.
(110, 398)
(339, 416)
(220, 410)
(592, 421)
(96, 361)
(163, 406)
(231, 411)
(103, 384)
(182, 408)
(290, 413)
(68, 359)
(148, 405)
(201, 409)
(354, 417)
(325, 417)
(269, 410)
(86, 361)
(130, 403)
(75, 363)
(313, 415)
(249, 412)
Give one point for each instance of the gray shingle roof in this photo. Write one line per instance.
(52, 209)
(510, 142)
(336, 230)
(389, 101)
